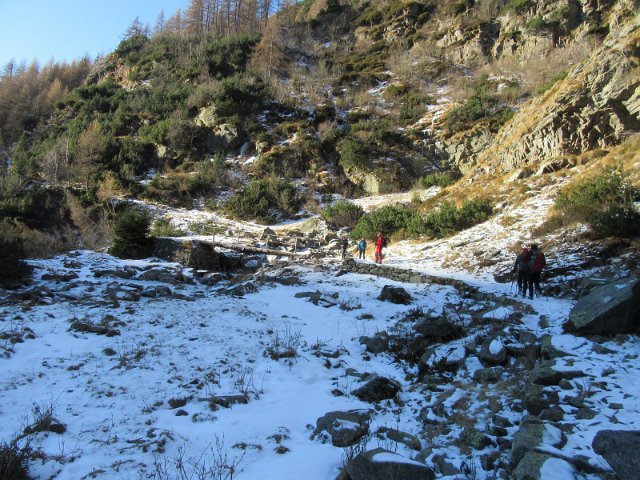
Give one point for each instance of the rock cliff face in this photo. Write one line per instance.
(596, 106)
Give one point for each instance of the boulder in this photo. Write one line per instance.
(544, 374)
(379, 343)
(493, 351)
(344, 428)
(474, 438)
(376, 389)
(532, 436)
(541, 466)
(380, 464)
(621, 449)
(537, 399)
(397, 295)
(608, 310)
(435, 327)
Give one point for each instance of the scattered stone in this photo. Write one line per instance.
(548, 351)
(537, 399)
(226, 401)
(377, 389)
(380, 464)
(532, 435)
(182, 413)
(621, 449)
(536, 466)
(474, 438)
(608, 310)
(493, 351)
(544, 374)
(398, 436)
(379, 343)
(489, 375)
(436, 327)
(344, 428)
(60, 277)
(397, 295)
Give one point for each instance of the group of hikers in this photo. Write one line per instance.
(361, 247)
(529, 264)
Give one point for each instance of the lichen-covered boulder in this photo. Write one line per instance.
(621, 449)
(608, 310)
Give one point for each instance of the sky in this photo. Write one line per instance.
(67, 30)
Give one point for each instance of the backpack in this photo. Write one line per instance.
(524, 261)
(384, 242)
(537, 261)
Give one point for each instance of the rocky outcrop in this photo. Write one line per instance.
(608, 310)
(596, 106)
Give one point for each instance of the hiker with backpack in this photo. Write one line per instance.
(362, 248)
(381, 242)
(344, 243)
(536, 263)
(522, 266)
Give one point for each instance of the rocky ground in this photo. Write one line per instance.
(146, 369)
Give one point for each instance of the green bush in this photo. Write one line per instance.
(605, 202)
(518, 6)
(448, 219)
(537, 24)
(12, 266)
(353, 152)
(342, 214)
(131, 234)
(440, 179)
(388, 220)
(163, 228)
(264, 200)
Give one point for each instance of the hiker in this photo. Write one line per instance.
(536, 265)
(344, 242)
(381, 242)
(362, 248)
(523, 268)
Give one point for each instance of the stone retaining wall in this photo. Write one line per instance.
(398, 274)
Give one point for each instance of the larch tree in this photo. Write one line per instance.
(92, 145)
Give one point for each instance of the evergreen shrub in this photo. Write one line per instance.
(439, 179)
(264, 200)
(131, 234)
(342, 214)
(604, 202)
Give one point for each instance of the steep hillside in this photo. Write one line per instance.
(337, 99)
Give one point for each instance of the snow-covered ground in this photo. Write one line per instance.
(137, 399)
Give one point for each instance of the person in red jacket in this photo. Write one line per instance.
(380, 244)
(537, 263)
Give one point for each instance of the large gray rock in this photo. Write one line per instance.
(546, 375)
(493, 351)
(377, 389)
(344, 428)
(621, 449)
(537, 466)
(608, 310)
(380, 464)
(436, 327)
(533, 436)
